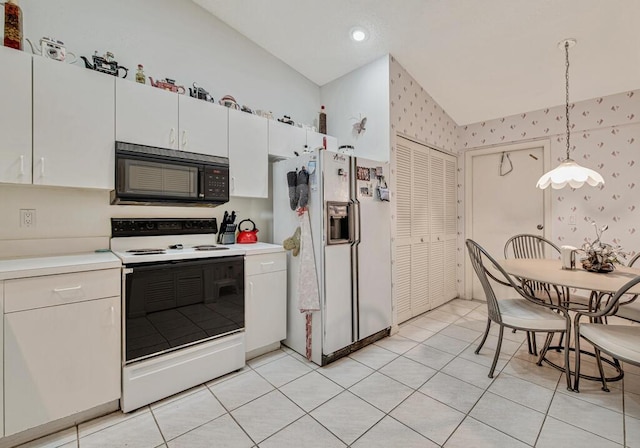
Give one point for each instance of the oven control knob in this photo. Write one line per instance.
(187, 225)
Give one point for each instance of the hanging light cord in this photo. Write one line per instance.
(566, 50)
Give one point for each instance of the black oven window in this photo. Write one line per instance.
(176, 304)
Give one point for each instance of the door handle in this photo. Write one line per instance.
(539, 227)
(172, 136)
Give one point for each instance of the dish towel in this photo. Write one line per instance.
(308, 293)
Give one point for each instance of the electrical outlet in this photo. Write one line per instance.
(27, 217)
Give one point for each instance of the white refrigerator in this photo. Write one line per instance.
(351, 232)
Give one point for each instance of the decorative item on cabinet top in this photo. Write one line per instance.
(168, 84)
(200, 93)
(52, 49)
(105, 64)
(229, 101)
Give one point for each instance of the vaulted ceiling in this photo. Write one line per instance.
(479, 59)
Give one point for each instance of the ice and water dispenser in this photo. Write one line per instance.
(338, 222)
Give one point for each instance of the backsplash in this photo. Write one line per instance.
(605, 136)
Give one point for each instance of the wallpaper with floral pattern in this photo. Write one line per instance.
(415, 113)
(605, 136)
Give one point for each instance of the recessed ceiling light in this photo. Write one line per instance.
(358, 34)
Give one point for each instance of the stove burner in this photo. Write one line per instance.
(209, 247)
(146, 251)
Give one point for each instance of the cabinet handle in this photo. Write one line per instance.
(233, 184)
(73, 288)
(267, 263)
(172, 136)
(113, 315)
(22, 165)
(184, 139)
(41, 166)
(251, 289)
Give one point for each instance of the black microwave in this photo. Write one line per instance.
(147, 175)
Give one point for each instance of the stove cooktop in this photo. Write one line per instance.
(155, 240)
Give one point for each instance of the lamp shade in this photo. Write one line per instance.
(569, 173)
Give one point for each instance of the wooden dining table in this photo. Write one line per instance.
(598, 284)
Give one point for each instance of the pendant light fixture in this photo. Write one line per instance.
(569, 172)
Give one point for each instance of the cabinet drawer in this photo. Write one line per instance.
(38, 292)
(263, 263)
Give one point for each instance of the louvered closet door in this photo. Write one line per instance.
(426, 228)
(403, 233)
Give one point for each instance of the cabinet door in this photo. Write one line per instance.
(248, 155)
(73, 126)
(60, 360)
(265, 309)
(204, 127)
(15, 116)
(146, 115)
(284, 139)
(314, 140)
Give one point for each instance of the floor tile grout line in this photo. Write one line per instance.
(158, 425)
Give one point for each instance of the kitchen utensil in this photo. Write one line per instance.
(167, 84)
(52, 49)
(229, 235)
(105, 64)
(200, 93)
(247, 236)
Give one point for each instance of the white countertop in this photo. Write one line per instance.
(91, 261)
(37, 266)
(257, 248)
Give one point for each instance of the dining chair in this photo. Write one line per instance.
(622, 342)
(631, 310)
(526, 312)
(526, 245)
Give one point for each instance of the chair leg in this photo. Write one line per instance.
(495, 358)
(560, 343)
(567, 369)
(577, 352)
(543, 352)
(484, 337)
(531, 343)
(601, 369)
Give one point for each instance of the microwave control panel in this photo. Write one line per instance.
(216, 183)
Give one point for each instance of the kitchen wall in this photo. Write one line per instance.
(416, 115)
(363, 93)
(171, 39)
(605, 136)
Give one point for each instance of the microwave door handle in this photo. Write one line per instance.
(201, 176)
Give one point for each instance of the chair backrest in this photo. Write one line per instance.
(635, 258)
(611, 307)
(478, 257)
(529, 246)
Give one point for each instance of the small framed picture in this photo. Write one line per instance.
(363, 173)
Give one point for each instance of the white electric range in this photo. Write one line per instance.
(182, 306)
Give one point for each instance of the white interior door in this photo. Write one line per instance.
(501, 204)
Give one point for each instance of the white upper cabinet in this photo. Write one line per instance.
(248, 155)
(203, 126)
(284, 139)
(73, 125)
(315, 140)
(146, 115)
(150, 116)
(15, 116)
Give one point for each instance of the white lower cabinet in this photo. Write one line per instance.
(63, 359)
(266, 299)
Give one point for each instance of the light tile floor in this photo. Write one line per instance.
(423, 387)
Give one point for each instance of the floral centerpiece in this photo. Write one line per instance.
(599, 256)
